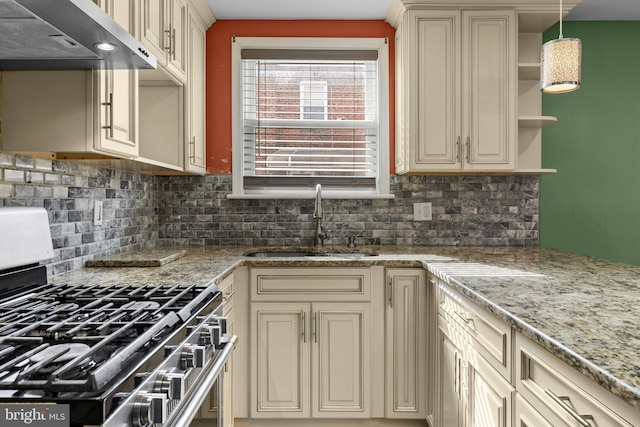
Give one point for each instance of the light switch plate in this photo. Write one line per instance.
(97, 212)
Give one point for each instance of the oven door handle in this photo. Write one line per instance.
(189, 412)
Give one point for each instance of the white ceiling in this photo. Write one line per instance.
(587, 10)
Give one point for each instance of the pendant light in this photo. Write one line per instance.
(560, 63)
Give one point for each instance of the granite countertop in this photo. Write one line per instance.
(583, 310)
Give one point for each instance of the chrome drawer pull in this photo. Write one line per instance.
(464, 317)
(581, 419)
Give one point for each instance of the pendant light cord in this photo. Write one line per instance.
(561, 36)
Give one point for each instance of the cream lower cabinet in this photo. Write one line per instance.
(560, 396)
(406, 344)
(311, 360)
(474, 364)
(310, 349)
(456, 89)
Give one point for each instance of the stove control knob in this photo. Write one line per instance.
(193, 356)
(149, 409)
(221, 322)
(206, 335)
(171, 384)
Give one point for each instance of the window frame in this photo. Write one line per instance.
(382, 186)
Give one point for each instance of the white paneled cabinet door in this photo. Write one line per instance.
(452, 382)
(117, 96)
(195, 148)
(489, 89)
(406, 339)
(437, 88)
(152, 33)
(489, 395)
(341, 360)
(176, 31)
(280, 341)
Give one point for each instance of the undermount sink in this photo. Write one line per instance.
(278, 253)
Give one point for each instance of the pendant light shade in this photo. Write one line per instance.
(561, 63)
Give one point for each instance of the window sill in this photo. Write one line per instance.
(310, 194)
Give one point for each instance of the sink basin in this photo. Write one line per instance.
(312, 252)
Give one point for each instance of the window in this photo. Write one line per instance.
(309, 111)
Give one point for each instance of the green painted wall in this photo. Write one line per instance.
(592, 205)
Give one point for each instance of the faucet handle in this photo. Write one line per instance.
(352, 241)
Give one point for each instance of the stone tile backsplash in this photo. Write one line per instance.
(142, 210)
(467, 210)
(68, 191)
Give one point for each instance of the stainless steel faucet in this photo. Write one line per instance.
(321, 232)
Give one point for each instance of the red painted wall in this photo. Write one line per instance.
(219, 72)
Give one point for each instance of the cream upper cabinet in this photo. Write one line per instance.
(195, 144)
(163, 26)
(456, 90)
(406, 341)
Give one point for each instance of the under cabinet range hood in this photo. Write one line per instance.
(65, 35)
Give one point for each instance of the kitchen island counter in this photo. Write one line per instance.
(583, 310)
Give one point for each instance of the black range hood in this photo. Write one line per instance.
(65, 35)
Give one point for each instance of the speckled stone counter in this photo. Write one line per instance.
(584, 310)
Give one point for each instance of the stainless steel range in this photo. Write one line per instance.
(118, 355)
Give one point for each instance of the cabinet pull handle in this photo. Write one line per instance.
(228, 296)
(391, 292)
(468, 149)
(303, 315)
(580, 419)
(168, 32)
(458, 149)
(192, 149)
(315, 328)
(465, 318)
(110, 105)
(173, 44)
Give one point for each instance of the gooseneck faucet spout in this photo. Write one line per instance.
(318, 215)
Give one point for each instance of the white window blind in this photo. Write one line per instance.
(309, 116)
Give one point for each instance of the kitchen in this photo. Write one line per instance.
(141, 209)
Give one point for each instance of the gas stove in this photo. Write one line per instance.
(114, 355)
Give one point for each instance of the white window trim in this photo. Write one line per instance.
(382, 190)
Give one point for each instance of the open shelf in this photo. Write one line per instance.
(529, 71)
(536, 121)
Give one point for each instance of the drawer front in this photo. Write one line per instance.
(311, 284)
(491, 336)
(228, 290)
(544, 382)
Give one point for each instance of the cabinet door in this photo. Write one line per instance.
(177, 25)
(341, 342)
(489, 395)
(280, 360)
(451, 382)
(435, 87)
(152, 27)
(117, 96)
(489, 89)
(195, 149)
(406, 344)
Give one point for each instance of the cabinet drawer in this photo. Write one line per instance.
(492, 335)
(559, 393)
(228, 290)
(311, 284)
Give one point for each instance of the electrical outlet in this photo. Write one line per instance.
(97, 212)
(422, 211)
